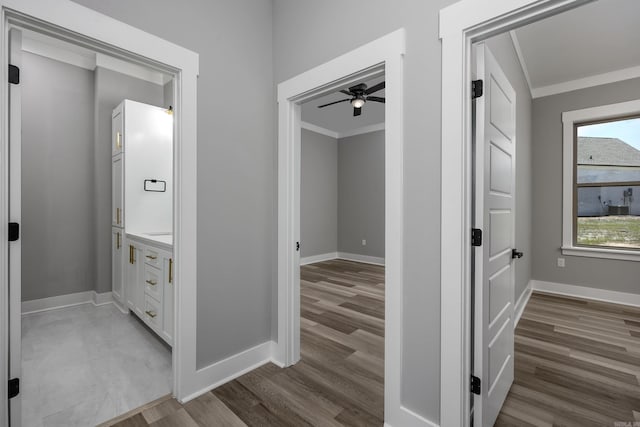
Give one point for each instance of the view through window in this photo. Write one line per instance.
(607, 184)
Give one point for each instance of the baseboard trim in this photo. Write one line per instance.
(361, 258)
(522, 303)
(64, 301)
(409, 418)
(231, 368)
(596, 294)
(318, 258)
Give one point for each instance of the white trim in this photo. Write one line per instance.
(410, 418)
(130, 69)
(230, 368)
(64, 301)
(586, 82)
(523, 63)
(595, 294)
(129, 42)
(364, 129)
(569, 119)
(367, 259)
(461, 24)
(77, 59)
(385, 54)
(318, 129)
(102, 298)
(522, 303)
(318, 258)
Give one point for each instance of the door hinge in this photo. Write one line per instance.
(297, 246)
(476, 237)
(477, 89)
(14, 387)
(14, 231)
(475, 385)
(14, 74)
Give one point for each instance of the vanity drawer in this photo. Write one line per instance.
(152, 313)
(152, 257)
(153, 282)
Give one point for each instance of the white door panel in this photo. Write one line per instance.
(494, 214)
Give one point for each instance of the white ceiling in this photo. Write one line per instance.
(339, 118)
(566, 51)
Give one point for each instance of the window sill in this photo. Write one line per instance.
(619, 254)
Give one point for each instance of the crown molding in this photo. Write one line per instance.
(523, 63)
(320, 130)
(339, 135)
(586, 82)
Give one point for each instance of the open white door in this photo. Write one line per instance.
(15, 263)
(495, 122)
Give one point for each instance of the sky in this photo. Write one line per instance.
(625, 130)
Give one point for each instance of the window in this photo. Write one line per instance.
(601, 206)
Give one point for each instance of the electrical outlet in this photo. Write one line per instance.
(560, 262)
(364, 242)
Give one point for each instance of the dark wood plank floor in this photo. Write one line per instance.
(339, 380)
(577, 363)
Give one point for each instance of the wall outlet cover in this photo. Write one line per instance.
(560, 262)
(364, 242)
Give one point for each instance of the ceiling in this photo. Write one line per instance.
(339, 118)
(566, 51)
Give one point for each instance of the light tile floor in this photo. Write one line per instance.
(84, 365)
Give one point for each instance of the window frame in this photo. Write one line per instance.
(570, 122)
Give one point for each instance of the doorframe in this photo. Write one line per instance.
(127, 41)
(384, 54)
(461, 25)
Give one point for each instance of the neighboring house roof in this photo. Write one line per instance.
(606, 152)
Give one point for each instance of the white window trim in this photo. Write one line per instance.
(569, 119)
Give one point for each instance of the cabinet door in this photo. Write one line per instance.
(117, 265)
(117, 136)
(117, 192)
(134, 284)
(167, 322)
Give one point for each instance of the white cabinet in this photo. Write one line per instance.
(134, 291)
(117, 265)
(117, 191)
(168, 307)
(117, 135)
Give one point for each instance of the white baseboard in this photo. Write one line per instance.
(318, 258)
(361, 258)
(522, 303)
(230, 368)
(408, 418)
(604, 295)
(63, 301)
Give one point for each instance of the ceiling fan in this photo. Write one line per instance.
(359, 96)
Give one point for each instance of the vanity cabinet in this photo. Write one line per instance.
(117, 265)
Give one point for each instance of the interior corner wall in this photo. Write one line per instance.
(111, 88)
(361, 194)
(614, 275)
(57, 230)
(503, 50)
(318, 194)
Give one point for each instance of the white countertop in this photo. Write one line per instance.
(162, 239)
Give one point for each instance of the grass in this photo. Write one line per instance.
(618, 231)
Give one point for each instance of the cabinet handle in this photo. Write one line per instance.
(151, 282)
(152, 257)
(118, 240)
(117, 215)
(170, 270)
(151, 314)
(118, 140)
(132, 254)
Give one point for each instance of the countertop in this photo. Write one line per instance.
(161, 239)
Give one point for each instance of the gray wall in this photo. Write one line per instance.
(302, 43)
(57, 178)
(237, 254)
(361, 194)
(502, 48)
(318, 194)
(547, 193)
(110, 89)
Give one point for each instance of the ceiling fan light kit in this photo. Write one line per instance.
(359, 96)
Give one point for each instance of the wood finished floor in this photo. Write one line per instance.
(577, 363)
(339, 380)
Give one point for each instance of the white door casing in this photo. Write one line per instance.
(494, 214)
(15, 212)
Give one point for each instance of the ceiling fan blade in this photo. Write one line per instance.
(375, 99)
(357, 111)
(336, 102)
(374, 88)
(360, 87)
(346, 92)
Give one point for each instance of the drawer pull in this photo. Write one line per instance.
(152, 257)
(151, 314)
(152, 282)
(170, 270)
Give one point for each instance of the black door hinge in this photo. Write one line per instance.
(297, 246)
(14, 387)
(475, 385)
(476, 237)
(14, 74)
(14, 231)
(477, 89)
